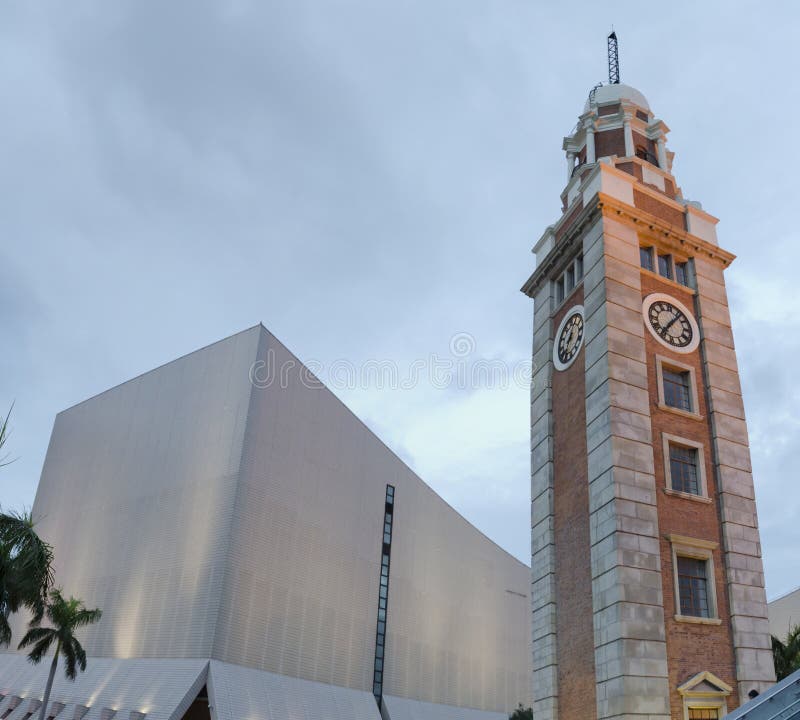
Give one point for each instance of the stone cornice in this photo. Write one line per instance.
(564, 245)
(667, 235)
(691, 542)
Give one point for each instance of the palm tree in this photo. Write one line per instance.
(26, 569)
(26, 561)
(787, 654)
(66, 617)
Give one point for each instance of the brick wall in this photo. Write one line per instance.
(691, 648)
(609, 142)
(575, 645)
(648, 203)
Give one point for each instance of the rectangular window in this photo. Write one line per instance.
(579, 267)
(683, 469)
(677, 389)
(693, 587)
(703, 713)
(570, 275)
(665, 266)
(682, 273)
(560, 290)
(646, 258)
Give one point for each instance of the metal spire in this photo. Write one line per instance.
(613, 59)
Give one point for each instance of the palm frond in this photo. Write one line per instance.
(786, 654)
(80, 654)
(35, 634)
(65, 615)
(5, 630)
(27, 562)
(4, 432)
(70, 661)
(40, 649)
(85, 616)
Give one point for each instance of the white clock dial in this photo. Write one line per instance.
(569, 338)
(670, 322)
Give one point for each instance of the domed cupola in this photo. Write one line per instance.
(618, 127)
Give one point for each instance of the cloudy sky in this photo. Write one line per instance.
(367, 179)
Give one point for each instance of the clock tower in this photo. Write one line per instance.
(647, 582)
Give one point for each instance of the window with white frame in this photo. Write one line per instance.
(677, 387)
(684, 467)
(694, 585)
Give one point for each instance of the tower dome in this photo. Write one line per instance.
(616, 92)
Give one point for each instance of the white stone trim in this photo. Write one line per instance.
(663, 361)
(663, 297)
(717, 702)
(700, 550)
(625, 549)
(574, 310)
(704, 698)
(668, 440)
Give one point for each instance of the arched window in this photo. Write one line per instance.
(643, 153)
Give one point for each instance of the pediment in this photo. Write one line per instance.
(704, 684)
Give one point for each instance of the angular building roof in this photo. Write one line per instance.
(780, 702)
(228, 507)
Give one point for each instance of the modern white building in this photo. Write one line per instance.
(259, 554)
(784, 614)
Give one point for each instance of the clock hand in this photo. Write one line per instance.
(670, 324)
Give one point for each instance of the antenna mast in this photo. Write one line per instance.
(613, 59)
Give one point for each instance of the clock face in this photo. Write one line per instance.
(670, 322)
(569, 338)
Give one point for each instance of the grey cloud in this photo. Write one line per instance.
(367, 179)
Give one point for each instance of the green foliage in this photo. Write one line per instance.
(521, 713)
(26, 569)
(4, 437)
(65, 616)
(786, 654)
(26, 561)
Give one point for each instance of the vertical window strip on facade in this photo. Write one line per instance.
(693, 587)
(569, 279)
(646, 258)
(383, 596)
(682, 273)
(683, 469)
(665, 266)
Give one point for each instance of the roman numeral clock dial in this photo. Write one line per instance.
(670, 322)
(569, 338)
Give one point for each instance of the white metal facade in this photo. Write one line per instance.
(217, 518)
